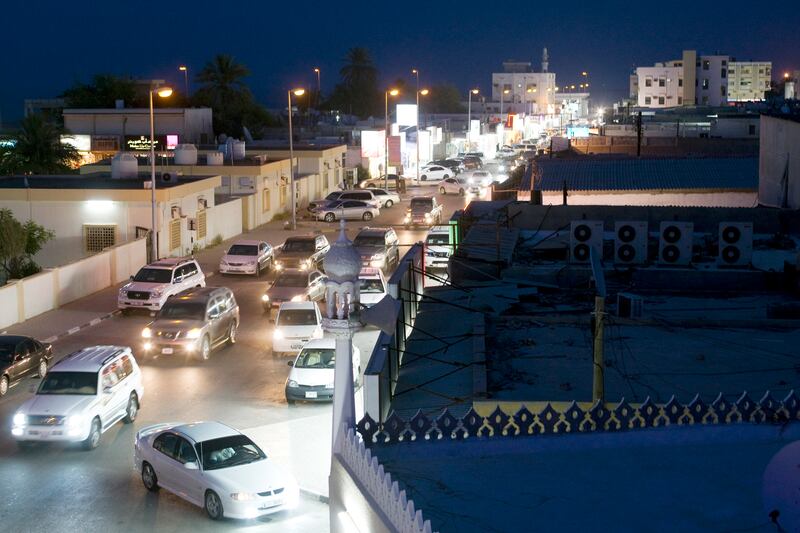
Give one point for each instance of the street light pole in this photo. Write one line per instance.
(185, 70)
(319, 88)
(415, 72)
(163, 92)
(469, 118)
(297, 92)
(393, 92)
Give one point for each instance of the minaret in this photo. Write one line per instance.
(545, 61)
(342, 266)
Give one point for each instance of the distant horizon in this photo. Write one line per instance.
(462, 47)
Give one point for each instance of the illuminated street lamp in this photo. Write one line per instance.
(390, 92)
(185, 70)
(415, 73)
(319, 87)
(296, 92)
(504, 91)
(162, 92)
(469, 116)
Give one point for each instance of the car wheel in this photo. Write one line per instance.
(42, 370)
(423, 178)
(442, 190)
(213, 505)
(329, 217)
(205, 349)
(149, 478)
(93, 440)
(3, 385)
(461, 192)
(132, 410)
(367, 216)
(232, 334)
(290, 402)
(389, 203)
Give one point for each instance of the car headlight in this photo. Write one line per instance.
(329, 385)
(277, 335)
(20, 419)
(265, 297)
(305, 264)
(75, 421)
(317, 334)
(501, 168)
(223, 262)
(243, 496)
(291, 383)
(123, 293)
(157, 292)
(278, 265)
(470, 181)
(379, 257)
(298, 298)
(194, 333)
(408, 217)
(427, 216)
(146, 333)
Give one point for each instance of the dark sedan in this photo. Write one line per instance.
(22, 357)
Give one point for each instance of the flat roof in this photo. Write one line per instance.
(130, 110)
(248, 161)
(95, 180)
(645, 174)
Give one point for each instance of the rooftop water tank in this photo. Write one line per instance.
(185, 154)
(215, 158)
(124, 166)
(235, 148)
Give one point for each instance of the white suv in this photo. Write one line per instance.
(154, 283)
(81, 397)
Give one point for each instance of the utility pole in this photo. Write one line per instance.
(598, 381)
(639, 134)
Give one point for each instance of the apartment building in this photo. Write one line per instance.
(748, 80)
(524, 91)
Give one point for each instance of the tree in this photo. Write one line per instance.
(444, 98)
(103, 92)
(224, 90)
(19, 243)
(39, 150)
(358, 92)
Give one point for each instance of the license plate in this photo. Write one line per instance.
(136, 303)
(311, 394)
(166, 351)
(297, 346)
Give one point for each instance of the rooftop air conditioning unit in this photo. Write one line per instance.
(630, 242)
(583, 237)
(735, 243)
(675, 241)
(629, 305)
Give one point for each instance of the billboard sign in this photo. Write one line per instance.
(141, 143)
(372, 143)
(407, 114)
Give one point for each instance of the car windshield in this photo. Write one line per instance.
(154, 275)
(79, 383)
(333, 205)
(378, 192)
(437, 239)
(369, 240)
(296, 317)
(299, 245)
(291, 280)
(371, 286)
(243, 249)
(178, 310)
(421, 202)
(226, 452)
(316, 358)
(333, 196)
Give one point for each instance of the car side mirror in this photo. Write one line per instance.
(131, 278)
(290, 362)
(106, 390)
(191, 465)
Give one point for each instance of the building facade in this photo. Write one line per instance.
(748, 80)
(524, 91)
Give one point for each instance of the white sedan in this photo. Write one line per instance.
(480, 178)
(387, 198)
(247, 257)
(458, 186)
(346, 209)
(434, 173)
(215, 467)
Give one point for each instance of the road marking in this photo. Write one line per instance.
(95, 321)
(50, 340)
(71, 331)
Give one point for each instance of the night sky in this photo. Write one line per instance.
(47, 45)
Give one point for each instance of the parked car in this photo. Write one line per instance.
(437, 247)
(296, 324)
(22, 357)
(372, 286)
(387, 198)
(456, 165)
(378, 247)
(311, 376)
(194, 322)
(294, 285)
(424, 210)
(304, 252)
(215, 467)
(362, 195)
(247, 257)
(156, 282)
(434, 173)
(81, 397)
(458, 186)
(472, 162)
(347, 210)
(390, 182)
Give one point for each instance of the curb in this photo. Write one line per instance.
(312, 495)
(72, 331)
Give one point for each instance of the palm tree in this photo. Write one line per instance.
(223, 75)
(359, 81)
(39, 150)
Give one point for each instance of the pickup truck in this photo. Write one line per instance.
(424, 210)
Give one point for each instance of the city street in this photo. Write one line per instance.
(51, 487)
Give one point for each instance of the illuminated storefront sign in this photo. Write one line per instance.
(141, 143)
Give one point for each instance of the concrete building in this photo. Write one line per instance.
(92, 212)
(779, 162)
(660, 86)
(748, 80)
(528, 91)
(106, 131)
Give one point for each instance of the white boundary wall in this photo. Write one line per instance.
(45, 291)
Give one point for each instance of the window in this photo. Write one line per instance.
(98, 237)
(751, 129)
(724, 62)
(705, 100)
(202, 226)
(185, 453)
(680, 82)
(648, 82)
(647, 100)
(165, 443)
(127, 366)
(723, 73)
(680, 100)
(660, 100)
(662, 82)
(722, 90)
(705, 83)
(706, 64)
(246, 182)
(174, 233)
(266, 200)
(282, 196)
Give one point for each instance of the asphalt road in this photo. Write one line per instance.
(61, 488)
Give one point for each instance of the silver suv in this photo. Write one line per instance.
(156, 282)
(378, 247)
(194, 322)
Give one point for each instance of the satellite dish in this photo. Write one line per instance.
(382, 315)
(246, 133)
